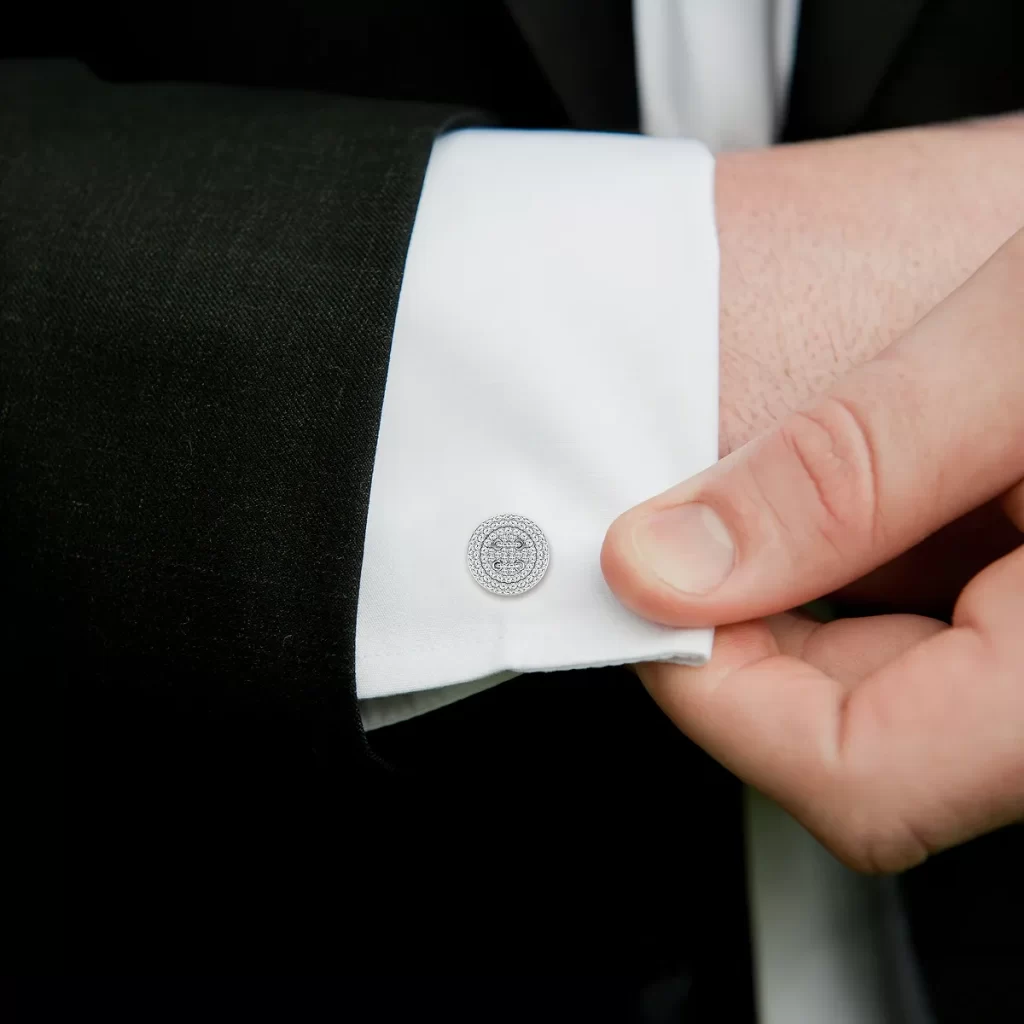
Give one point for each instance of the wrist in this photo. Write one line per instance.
(832, 250)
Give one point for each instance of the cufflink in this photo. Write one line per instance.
(508, 555)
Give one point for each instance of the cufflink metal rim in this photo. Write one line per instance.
(485, 555)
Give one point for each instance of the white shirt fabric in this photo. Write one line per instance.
(714, 70)
(555, 356)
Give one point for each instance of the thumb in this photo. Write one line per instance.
(928, 430)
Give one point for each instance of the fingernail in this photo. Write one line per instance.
(688, 547)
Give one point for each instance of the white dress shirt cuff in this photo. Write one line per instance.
(555, 356)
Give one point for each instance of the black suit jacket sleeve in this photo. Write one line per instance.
(197, 295)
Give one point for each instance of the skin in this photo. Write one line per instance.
(830, 251)
(889, 737)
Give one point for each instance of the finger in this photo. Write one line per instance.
(850, 650)
(767, 712)
(930, 576)
(847, 650)
(906, 443)
(922, 752)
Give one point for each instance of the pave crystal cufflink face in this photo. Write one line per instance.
(508, 555)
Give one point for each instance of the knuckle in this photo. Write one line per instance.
(832, 448)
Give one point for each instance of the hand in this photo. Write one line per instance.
(833, 250)
(889, 737)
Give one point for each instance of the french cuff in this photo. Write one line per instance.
(555, 356)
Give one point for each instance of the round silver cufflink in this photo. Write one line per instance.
(508, 555)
